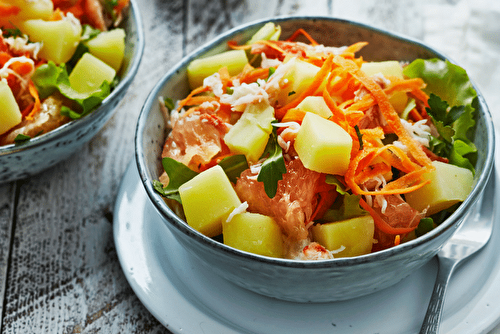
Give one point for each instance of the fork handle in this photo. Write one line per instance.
(435, 309)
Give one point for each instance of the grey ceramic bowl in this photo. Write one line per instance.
(18, 161)
(331, 280)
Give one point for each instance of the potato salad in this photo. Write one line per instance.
(293, 149)
(58, 60)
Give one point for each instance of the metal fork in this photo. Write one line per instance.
(474, 233)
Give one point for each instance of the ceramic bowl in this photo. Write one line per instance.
(302, 281)
(18, 161)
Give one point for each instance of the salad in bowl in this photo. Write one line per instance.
(65, 65)
(313, 159)
(310, 152)
(59, 60)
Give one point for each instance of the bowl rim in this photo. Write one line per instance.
(75, 125)
(184, 228)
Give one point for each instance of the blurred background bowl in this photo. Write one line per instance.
(19, 161)
(301, 281)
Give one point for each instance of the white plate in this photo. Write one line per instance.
(187, 298)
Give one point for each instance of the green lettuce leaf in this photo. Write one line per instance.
(444, 79)
(452, 105)
(49, 78)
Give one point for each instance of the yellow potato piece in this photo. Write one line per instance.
(208, 199)
(254, 233)
(323, 146)
(449, 185)
(89, 73)
(351, 237)
(10, 115)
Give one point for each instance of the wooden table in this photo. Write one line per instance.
(59, 271)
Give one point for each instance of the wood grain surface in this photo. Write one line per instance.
(59, 271)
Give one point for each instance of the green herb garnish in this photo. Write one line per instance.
(273, 167)
(21, 138)
(233, 166)
(271, 72)
(169, 103)
(178, 174)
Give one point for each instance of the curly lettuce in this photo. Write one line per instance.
(452, 107)
(49, 78)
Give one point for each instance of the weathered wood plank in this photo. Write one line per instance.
(7, 202)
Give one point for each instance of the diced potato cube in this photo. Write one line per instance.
(208, 199)
(299, 77)
(269, 31)
(109, 46)
(315, 104)
(398, 100)
(10, 115)
(351, 237)
(89, 73)
(59, 38)
(250, 134)
(449, 185)
(199, 69)
(323, 146)
(388, 67)
(254, 233)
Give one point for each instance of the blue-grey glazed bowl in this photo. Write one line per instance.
(301, 281)
(19, 161)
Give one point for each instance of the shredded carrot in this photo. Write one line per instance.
(299, 32)
(197, 100)
(57, 15)
(36, 105)
(194, 92)
(353, 48)
(338, 115)
(387, 111)
(254, 75)
(415, 115)
(294, 115)
(397, 240)
(311, 89)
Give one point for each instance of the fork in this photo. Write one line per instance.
(474, 233)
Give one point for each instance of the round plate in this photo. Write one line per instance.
(187, 298)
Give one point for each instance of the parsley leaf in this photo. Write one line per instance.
(273, 167)
(271, 72)
(178, 174)
(21, 138)
(14, 32)
(169, 103)
(452, 125)
(233, 166)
